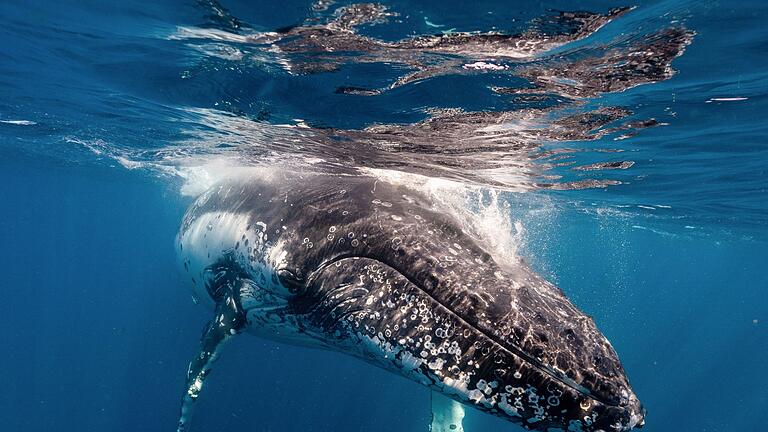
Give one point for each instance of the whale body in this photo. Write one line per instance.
(376, 270)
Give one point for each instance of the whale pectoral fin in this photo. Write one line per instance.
(447, 414)
(228, 321)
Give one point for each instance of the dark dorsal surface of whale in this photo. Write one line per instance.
(376, 270)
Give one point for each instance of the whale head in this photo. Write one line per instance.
(376, 271)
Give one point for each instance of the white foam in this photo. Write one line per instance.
(199, 178)
(19, 122)
(482, 212)
(185, 33)
(480, 65)
(727, 99)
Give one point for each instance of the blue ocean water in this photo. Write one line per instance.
(113, 116)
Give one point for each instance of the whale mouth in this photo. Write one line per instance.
(537, 364)
(372, 310)
(627, 407)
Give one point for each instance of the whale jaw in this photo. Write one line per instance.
(363, 307)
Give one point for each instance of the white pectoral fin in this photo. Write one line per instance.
(227, 322)
(447, 414)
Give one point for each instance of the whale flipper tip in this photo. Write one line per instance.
(447, 414)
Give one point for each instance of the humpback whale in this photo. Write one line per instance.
(375, 269)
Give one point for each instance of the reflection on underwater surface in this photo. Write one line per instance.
(626, 146)
(520, 98)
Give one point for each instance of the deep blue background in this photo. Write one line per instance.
(97, 328)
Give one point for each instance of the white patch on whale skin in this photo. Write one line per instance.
(507, 407)
(456, 386)
(410, 362)
(437, 363)
(212, 235)
(277, 255)
(201, 245)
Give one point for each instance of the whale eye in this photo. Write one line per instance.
(293, 283)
